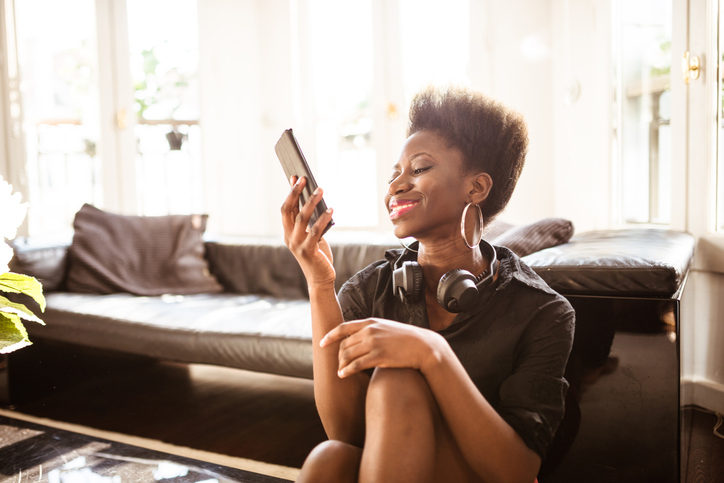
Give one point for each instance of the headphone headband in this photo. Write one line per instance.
(488, 276)
(457, 289)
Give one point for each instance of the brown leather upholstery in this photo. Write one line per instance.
(622, 263)
(261, 322)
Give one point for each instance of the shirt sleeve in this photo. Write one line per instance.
(357, 295)
(532, 398)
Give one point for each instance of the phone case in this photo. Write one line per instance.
(294, 164)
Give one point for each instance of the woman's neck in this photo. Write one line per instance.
(436, 259)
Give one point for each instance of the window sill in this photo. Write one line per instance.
(710, 253)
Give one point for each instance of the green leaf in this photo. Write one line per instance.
(17, 283)
(18, 309)
(13, 335)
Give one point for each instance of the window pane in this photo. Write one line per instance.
(440, 58)
(643, 136)
(342, 74)
(58, 71)
(163, 42)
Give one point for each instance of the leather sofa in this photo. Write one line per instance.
(622, 414)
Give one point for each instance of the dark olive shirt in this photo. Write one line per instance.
(514, 344)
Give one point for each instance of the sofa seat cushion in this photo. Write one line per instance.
(252, 332)
(617, 263)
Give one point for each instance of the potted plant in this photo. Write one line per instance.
(13, 335)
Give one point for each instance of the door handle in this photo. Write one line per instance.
(690, 67)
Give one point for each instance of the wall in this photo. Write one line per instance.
(582, 100)
(518, 52)
(553, 65)
(245, 95)
(702, 336)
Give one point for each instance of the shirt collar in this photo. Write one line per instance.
(510, 267)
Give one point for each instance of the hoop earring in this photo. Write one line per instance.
(406, 246)
(479, 235)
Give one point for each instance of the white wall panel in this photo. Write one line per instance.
(581, 118)
(230, 83)
(520, 74)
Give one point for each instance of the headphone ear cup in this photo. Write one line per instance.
(417, 285)
(456, 291)
(407, 282)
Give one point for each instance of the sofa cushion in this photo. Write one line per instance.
(250, 332)
(526, 239)
(142, 255)
(617, 263)
(47, 262)
(266, 266)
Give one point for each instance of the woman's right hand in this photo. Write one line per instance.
(307, 245)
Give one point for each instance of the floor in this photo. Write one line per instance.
(257, 416)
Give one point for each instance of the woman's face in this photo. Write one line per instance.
(428, 189)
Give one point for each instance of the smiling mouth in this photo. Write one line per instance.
(401, 208)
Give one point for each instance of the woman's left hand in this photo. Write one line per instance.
(370, 343)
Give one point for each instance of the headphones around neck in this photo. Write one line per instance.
(457, 290)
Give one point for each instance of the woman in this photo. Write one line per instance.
(406, 389)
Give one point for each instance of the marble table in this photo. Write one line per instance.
(32, 452)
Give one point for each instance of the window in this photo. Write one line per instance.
(163, 44)
(57, 54)
(75, 77)
(343, 109)
(643, 93)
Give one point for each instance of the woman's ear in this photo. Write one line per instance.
(482, 184)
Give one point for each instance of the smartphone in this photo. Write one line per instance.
(294, 164)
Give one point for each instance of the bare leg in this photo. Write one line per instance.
(331, 462)
(406, 437)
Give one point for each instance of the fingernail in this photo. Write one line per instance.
(317, 191)
(329, 210)
(321, 342)
(341, 372)
(299, 180)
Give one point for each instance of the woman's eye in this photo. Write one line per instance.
(415, 172)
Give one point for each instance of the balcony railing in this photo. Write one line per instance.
(65, 170)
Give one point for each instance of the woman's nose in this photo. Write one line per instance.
(400, 184)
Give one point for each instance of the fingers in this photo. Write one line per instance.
(296, 221)
(317, 230)
(343, 330)
(366, 361)
(303, 216)
(290, 207)
(356, 356)
(356, 350)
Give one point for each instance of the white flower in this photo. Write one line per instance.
(6, 253)
(12, 213)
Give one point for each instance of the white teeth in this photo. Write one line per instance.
(400, 207)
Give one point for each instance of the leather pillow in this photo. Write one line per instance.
(141, 255)
(527, 239)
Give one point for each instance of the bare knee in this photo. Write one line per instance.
(331, 461)
(405, 389)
